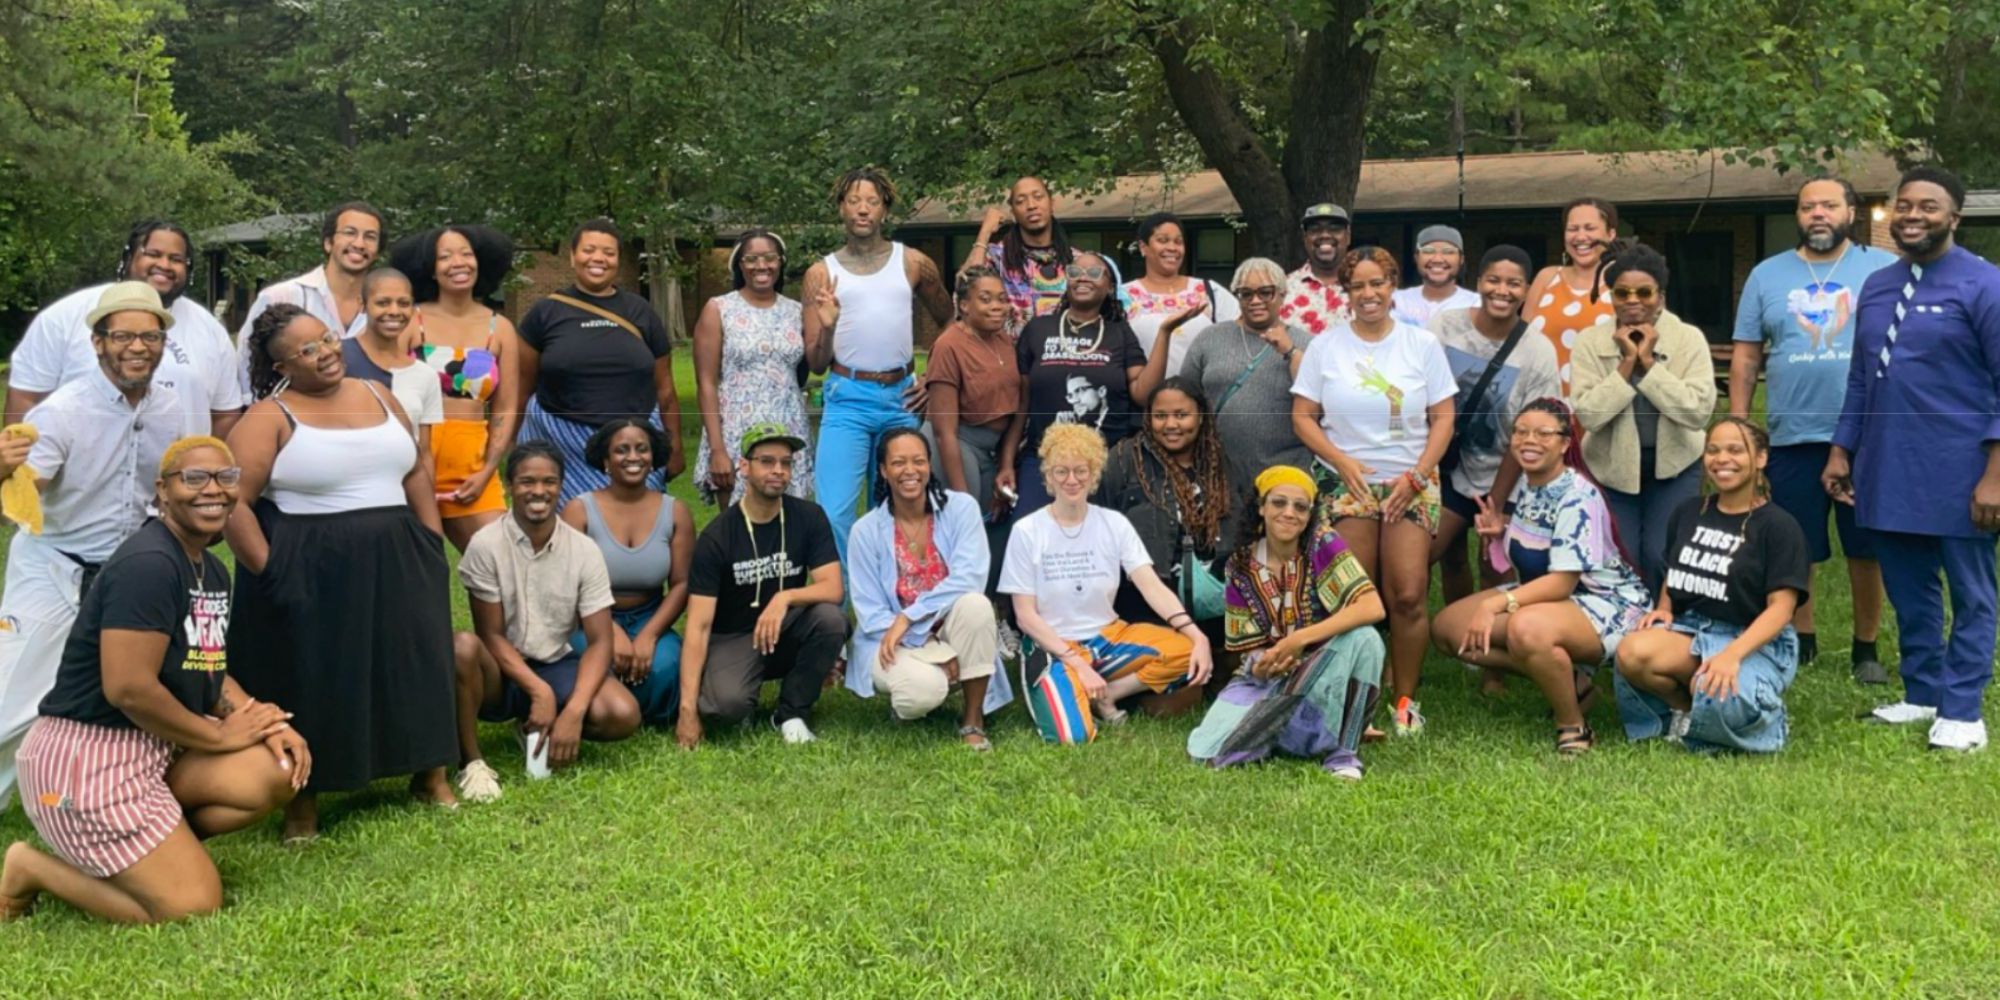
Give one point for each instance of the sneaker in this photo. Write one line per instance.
(1870, 672)
(796, 731)
(478, 782)
(1010, 643)
(1951, 734)
(1677, 726)
(1901, 713)
(1409, 720)
(1344, 764)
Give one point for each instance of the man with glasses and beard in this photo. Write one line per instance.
(196, 364)
(1032, 258)
(351, 234)
(1795, 323)
(1914, 452)
(94, 452)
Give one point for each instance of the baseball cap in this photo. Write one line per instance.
(1324, 210)
(768, 430)
(129, 296)
(1440, 234)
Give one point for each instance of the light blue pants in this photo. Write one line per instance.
(854, 418)
(1751, 720)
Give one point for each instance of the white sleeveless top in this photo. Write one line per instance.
(333, 470)
(875, 332)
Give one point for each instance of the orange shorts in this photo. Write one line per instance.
(461, 451)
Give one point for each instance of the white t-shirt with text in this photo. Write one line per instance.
(1072, 573)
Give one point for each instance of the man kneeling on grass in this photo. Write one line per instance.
(764, 595)
(533, 581)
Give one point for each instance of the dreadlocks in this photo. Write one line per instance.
(1200, 493)
(1014, 247)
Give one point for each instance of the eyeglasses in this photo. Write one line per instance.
(364, 235)
(124, 338)
(1061, 472)
(1326, 227)
(150, 254)
(195, 479)
(327, 341)
(1090, 272)
(760, 258)
(1445, 250)
(1280, 503)
(1643, 293)
(1541, 434)
(1268, 293)
(772, 462)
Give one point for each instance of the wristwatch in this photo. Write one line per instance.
(1512, 604)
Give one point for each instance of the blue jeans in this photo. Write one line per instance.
(855, 415)
(1751, 720)
(1642, 517)
(659, 694)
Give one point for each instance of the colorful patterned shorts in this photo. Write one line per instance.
(1336, 502)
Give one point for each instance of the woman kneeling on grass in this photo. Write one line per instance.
(1063, 567)
(145, 746)
(1297, 606)
(1713, 659)
(1577, 592)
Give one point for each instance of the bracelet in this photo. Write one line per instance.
(1179, 614)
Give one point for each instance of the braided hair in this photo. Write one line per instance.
(883, 188)
(935, 496)
(1200, 494)
(264, 377)
(1014, 249)
(136, 238)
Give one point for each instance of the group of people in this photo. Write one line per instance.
(1098, 497)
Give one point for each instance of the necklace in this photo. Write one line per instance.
(987, 342)
(914, 542)
(1073, 334)
(1819, 283)
(757, 558)
(1080, 525)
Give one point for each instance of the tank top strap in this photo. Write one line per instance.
(290, 419)
(423, 340)
(377, 393)
(663, 522)
(492, 321)
(593, 519)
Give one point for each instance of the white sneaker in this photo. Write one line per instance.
(1901, 713)
(796, 731)
(1951, 734)
(477, 782)
(1677, 726)
(1010, 643)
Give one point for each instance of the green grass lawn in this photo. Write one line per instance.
(889, 862)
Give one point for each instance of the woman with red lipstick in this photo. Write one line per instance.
(343, 607)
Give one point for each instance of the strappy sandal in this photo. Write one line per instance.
(16, 907)
(1574, 741)
(980, 745)
(1586, 690)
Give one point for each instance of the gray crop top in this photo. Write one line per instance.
(641, 570)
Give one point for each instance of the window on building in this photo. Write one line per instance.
(1215, 253)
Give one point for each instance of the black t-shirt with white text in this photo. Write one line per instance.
(592, 370)
(1725, 566)
(148, 585)
(1078, 377)
(729, 567)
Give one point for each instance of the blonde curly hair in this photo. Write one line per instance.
(1073, 441)
(170, 460)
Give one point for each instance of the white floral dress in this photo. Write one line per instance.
(761, 349)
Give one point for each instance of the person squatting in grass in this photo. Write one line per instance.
(1300, 610)
(1577, 594)
(1708, 666)
(919, 563)
(1064, 563)
(533, 582)
(146, 746)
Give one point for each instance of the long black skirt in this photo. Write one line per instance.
(349, 629)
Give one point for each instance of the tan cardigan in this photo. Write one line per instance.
(1681, 383)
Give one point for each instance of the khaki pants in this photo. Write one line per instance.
(916, 681)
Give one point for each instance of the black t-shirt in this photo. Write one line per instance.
(361, 366)
(1078, 379)
(147, 586)
(728, 567)
(1726, 565)
(593, 371)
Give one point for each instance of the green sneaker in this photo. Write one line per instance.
(1409, 720)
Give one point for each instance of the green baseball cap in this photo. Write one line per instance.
(1325, 210)
(769, 430)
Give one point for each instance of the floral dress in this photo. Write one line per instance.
(761, 349)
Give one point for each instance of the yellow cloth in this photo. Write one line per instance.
(19, 499)
(1285, 475)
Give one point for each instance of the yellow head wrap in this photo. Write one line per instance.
(1285, 475)
(171, 458)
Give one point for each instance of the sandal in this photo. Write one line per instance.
(980, 745)
(16, 907)
(1586, 690)
(1574, 741)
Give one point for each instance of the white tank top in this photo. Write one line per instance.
(333, 470)
(875, 332)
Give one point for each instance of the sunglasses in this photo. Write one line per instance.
(760, 258)
(1542, 434)
(1092, 272)
(1298, 506)
(195, 479)
(1643, 293)
(1268, 293)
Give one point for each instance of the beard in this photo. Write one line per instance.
(1822, 242)
(1922, 245)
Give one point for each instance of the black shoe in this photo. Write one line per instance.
(1870, 672)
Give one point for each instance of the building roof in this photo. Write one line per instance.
(257, 230)
(1982, 204)
(1501, 181)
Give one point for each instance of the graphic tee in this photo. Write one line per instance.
(738, 566)
(592, 370)
(1072, 573)
(1725, 566)
(148, 585)
(1035, 292)
(1078, 376)
(1803, 314)
(1529, 374)
(1373, 395)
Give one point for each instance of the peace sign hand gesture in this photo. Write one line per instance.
(827, 304)
(1491, 521)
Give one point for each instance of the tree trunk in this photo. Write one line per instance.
(1322, 157)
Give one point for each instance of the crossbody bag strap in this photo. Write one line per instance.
(600, 311)
(1223, 400)
(1478, 394)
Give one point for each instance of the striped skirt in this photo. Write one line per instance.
(1156, 655)
(97, 794)
(1319, 710)
(569, 437)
